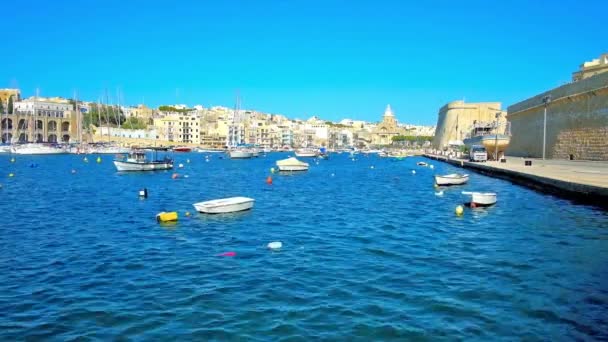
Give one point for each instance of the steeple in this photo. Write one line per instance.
(388, 111)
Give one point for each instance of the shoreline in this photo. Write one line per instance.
(552, 177)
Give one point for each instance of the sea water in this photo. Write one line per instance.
(369, 252)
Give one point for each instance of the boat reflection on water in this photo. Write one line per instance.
(238, 215)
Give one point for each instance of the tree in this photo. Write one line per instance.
(1, 108)
(10, 105)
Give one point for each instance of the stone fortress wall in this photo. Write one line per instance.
(577, 122)
(456, 118)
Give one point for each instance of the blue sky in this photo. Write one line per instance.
(334, 59)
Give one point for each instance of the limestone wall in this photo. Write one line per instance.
(456, 118)
(577, 122)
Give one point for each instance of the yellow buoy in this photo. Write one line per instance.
(99, 159)
(187, 213)
(459, 210)
(166, 217)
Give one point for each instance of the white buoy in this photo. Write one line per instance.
(143, 193)
(413, 172)
(275, 245)
(188, 161)
(181, 166)
(371, 167)
(333, 174)
(185, 176)
(439, 193)
(431, 166)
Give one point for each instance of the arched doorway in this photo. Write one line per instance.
(7, 123)
(52, 126)
(52, 138)
(65, 138)
(22, 124)
(22, 138)
(39, 138)
(39, 124)
(65, 126)
(7, 137)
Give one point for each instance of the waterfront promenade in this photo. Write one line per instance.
(583, 180)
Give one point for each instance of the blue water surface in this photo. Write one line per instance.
(369, 253)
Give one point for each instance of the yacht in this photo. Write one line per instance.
(37, 148)
(240, 153)
(487, 134)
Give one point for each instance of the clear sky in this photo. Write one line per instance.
(334, 59)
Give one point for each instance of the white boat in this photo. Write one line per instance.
(481, 199)
(108, 149)
(255, 152)
(240, 154)
(488, 135)
(422, 164)
(452, 179)
(292, 164)
(202, 150)
(137, 161)
(224, 205)
(37, 148)
(306, 152)
(5, 148)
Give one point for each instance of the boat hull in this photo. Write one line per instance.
(452, 179)
(481, 199)
(306, 154)
(240, 154)
(492, 143)
(225, 205)
(292, 168)
(292, 164)
(154, 166)
(37, 150)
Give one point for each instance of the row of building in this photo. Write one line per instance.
(567, 122)
(38, 119)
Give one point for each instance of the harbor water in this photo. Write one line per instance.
(369, 252)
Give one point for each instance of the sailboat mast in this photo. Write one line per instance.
(108, 118)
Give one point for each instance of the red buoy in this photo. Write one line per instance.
(269, 180)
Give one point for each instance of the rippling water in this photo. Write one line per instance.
(368, 254)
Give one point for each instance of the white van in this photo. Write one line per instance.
(478, 153)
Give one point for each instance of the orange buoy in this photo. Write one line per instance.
(269, 180)
(175, 176)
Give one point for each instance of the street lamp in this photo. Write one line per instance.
(546, 101)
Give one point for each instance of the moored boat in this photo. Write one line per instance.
(37, 149)
(481, 199)
(292, 164)
(224, 205)
(240, 154)
(486, 134)
(452, 179)
(137, 161)
(306, 153)
(182, 149)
